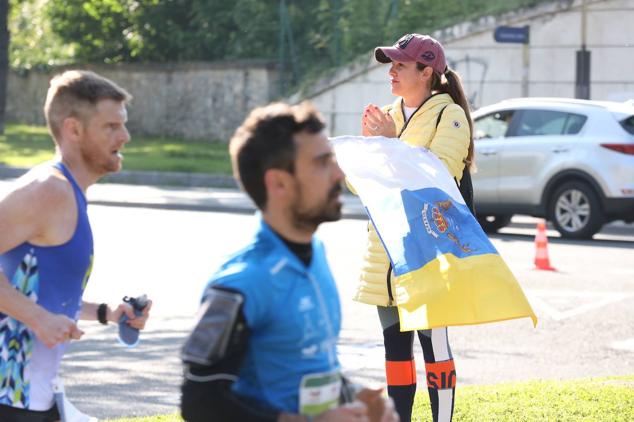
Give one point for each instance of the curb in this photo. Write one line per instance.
(11, 172)
(346, 213)
(155, 178)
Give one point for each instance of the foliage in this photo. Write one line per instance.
(169, 30)
(98, 30)
(26, 146)
(304, 36)
(33, 43)
(161, 418)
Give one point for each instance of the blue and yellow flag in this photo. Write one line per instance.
(448, 272)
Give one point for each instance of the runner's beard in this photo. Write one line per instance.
(328, 210)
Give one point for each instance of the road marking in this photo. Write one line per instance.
(356, 356)
(621, 271)
(627, 345)
(564, 304)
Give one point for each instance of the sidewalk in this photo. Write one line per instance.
(196, 199)
(152, 178)
(205, 192)
(156, 190)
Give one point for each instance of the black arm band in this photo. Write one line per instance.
(102, 310)
(209, 341)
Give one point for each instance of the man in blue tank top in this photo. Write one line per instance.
(46, 246)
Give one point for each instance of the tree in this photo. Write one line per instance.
(4, 59)
(304, 36)
(33, 43)
(97, 30)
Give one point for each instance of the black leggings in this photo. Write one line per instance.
(14, 414)
(400, 367)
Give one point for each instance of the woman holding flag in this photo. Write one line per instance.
(430, 111)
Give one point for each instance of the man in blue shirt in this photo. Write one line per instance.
(264, 348)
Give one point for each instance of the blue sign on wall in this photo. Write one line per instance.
(510, 34)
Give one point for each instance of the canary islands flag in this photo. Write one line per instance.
(448, 272)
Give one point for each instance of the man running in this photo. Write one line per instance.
(264, 348)
(46, 246)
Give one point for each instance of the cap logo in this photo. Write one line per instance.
(428, 56)
(405, 39)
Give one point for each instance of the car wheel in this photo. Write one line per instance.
(575, 211)
(493, 223)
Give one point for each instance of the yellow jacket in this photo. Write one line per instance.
(450, 143)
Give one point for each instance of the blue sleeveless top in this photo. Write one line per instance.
(55, 278)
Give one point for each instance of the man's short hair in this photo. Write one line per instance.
(75, 93)
(266, 141)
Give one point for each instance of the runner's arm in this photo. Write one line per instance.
(206, 390)
(26, 216)
(89, 313)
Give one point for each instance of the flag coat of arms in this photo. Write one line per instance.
(447, 270)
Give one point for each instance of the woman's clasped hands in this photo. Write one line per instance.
(376, 122)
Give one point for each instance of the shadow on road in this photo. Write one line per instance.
(108, 380)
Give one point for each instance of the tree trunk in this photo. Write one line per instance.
(4, 58)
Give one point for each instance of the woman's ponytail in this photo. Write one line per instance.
(453, 87)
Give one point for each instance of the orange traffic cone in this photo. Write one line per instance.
(541, 248)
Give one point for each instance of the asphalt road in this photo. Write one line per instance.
(585, 308)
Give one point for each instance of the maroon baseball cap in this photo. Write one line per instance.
(414, 48)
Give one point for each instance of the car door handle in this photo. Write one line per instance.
(557, 150)
(488, 152)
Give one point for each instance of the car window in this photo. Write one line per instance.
(493, 125)
(548, 122)
(628, 124)
(574, 124)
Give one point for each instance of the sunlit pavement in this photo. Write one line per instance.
(583, 308)
(586, 310)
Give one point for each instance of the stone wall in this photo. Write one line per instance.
(189, 100)
(492, 71)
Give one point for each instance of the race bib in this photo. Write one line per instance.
(319, 392)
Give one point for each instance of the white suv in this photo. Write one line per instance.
(571, 161)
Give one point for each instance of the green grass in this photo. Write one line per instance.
(596, 399)
(161, 418)
(599, 399)
(26, 146)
